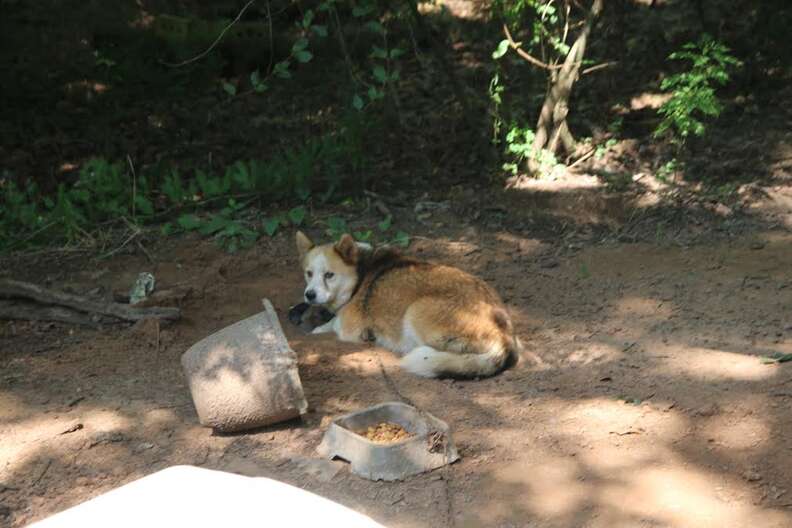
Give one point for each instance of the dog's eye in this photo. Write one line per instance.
(329, 275)
(309, 274)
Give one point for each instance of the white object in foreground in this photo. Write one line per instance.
(196, 497)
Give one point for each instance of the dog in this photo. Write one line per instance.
(443, 321)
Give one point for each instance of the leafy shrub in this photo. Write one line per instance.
(693, 96)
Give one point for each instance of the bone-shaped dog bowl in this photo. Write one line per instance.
(430, 447)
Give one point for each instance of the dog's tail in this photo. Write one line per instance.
(493, 357)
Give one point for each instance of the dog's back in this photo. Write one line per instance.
(446, 321)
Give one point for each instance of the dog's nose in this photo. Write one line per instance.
(310, 295)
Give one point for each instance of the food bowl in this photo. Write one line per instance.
(428, 444)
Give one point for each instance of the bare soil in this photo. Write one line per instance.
(650, 405)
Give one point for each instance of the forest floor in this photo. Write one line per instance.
(652, 405)
(652, 306)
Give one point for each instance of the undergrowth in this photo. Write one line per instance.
(219, 205)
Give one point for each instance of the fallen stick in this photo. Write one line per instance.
(33, 311)
(24, 290)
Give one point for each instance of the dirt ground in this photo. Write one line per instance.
(651, 405)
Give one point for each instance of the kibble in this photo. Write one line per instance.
(386, 433)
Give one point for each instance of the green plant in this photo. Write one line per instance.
(692, 92)
(226, 226)
(667, 170)
(107, 192)
(337, 226)
(519, 148)
(294, 217)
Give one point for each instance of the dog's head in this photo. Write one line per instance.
(330, 270)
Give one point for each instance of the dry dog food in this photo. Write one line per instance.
(386, 433)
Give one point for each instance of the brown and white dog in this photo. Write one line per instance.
(444, 322)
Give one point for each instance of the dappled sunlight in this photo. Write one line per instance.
(681, 496)
(643, 307)
(599, 418)
(160, 417)
(593, 353)
(746, 433)
(23, 442)
(651, 100)
(553, 488)
(712, 364)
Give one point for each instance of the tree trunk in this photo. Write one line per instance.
(552, 129)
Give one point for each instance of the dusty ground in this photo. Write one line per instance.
(651, 408)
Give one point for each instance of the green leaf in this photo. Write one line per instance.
(189, 222)
(144, 205)
(395, 53)
(303, 56)
(777, 357)
(229, 88)
(271, 225)
(320, 30)
(362, 10)
(501, 50)
(385, 224)
(401, 239)
(357, 102)
(337, 226)
(380, 74)
(168, 229)
(379, 53)
(362, 236)
(307, 19)
(297, 215)
(255, 77)
(300, 44)
(375, 26)
(282, 69)
(215, 224)
(374, 93)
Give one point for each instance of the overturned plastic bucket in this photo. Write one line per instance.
(429, 447)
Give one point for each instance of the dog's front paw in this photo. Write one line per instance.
(297, 312)
(325, 328)
(309, 317)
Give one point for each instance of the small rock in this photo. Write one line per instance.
(106, 438)
(143, 446)
(708, 410)
(757, 245)
(752, 476)
(548, 263)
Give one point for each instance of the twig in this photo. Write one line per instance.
(143, 249)
(215, 43)
(525, 55)
(271, 38)
(109, 254)
(134, 184)
(25, 290)
(599, 67)
(582, 158)
(31, 311)
(41, 475)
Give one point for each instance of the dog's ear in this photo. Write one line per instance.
(304, 244)
(347, 249)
